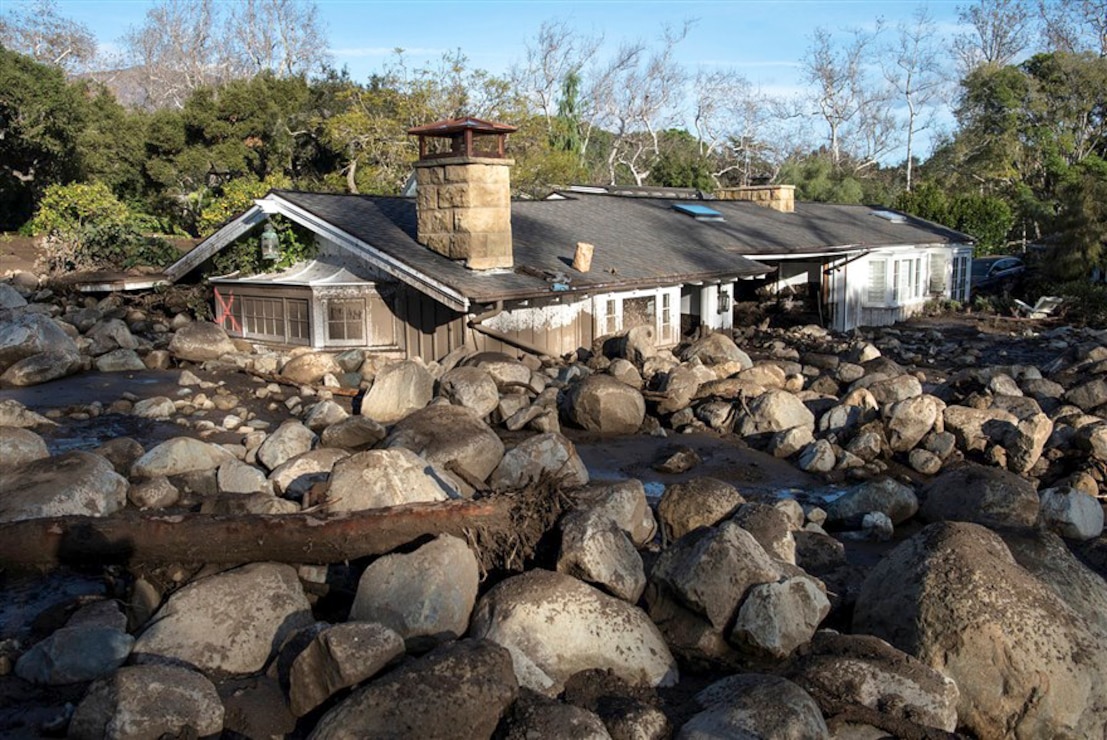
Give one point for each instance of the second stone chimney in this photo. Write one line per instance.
(463, 191)
(778, 197)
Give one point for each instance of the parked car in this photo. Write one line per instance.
(996, 272)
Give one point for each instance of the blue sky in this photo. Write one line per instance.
(762, 39)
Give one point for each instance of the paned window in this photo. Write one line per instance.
(346, 320)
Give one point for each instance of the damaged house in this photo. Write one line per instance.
(462, 264)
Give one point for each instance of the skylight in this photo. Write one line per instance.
(896, 218)
(698, 212)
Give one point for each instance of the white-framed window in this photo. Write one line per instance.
(667, 325)
(960, 289)
(617, 312)
(937, 267)
(346, 320)
(895, 281)
(284, 320)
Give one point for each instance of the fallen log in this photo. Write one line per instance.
(306, 538)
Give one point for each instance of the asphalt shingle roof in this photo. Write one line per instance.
(638, 241)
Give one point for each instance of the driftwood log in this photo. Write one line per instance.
(145, 538)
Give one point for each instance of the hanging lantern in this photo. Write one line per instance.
(270, 243)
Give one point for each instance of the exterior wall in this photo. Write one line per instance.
(618, 311)
(717, 306)
(558, 328)
(464, 209)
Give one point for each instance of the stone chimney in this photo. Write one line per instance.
(778, 197)
(463, 191)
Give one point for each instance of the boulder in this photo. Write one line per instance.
(200, 341)
(379, 478)
(41, 368)
(543, 454)
(595, 550)
(773, 411)
(119, 361)
(771, 527)
(975, 493)
(1088, 395)
(534, 716)
(716, 349)
(10, 297)
(710, 570)
(24, 334)
(235, 476)
(443, 435)
(293, 478)
(679, 385)
(287, 441)
(625, 503)
(178, 456)
(108, 335)
(555, 626)
(699, 502)
(15, 414)
(817, 457)
(325, 414)
(339, 657)
(148, 701)
(895, 500)
(1024, 443)
(508, 372)
(75, 653)
(462, 688)
(158, 407)
(73, 483)
(398, 389)
(470, 387)
(840, 670)
(19, 446)
(1071, 513)
(425, 596)
(310, 367)
(153, 493)
(908, 421)
(974, 429)
(776, 618)
(892, 390)
(602, 404)
(954, 597)
(228, 623)
(754, 705)
(354, 433)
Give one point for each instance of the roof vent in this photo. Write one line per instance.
(896, 218)
(698, 212)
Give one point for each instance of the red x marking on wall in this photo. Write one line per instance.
(223, 312)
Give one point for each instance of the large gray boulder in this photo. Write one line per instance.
(295, 477)
(777, 618)
(108, 335)
(338, 657)
(287, 441)
(75, 653)
(19, 446)
(200, 341)
(1088, 395)
(984, 495)
(975, 429)
(15, 414)
(10, 297)
(148, 701)
(716, 349)
(461, 689)
(754, 705)
(23, 334)
(602, 404)
(1071, 513)
(425, 596)
(863, 670)
(699, 502)
(228, 623)
(895, 500)
(380, 478)
(773, 411)
(771, 527)
(954, 597)
(398, 389)
(178, 456)
(541, 455)
(354, 433)
(310, 367)
(73, 483)
(625, 503)
(555, 626)
(595, 550)
(908, 421)
(446, 435)
(119, 361)
(42, 368)
(471, 387)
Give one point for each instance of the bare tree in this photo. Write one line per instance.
(285, 37)
(638, 101)
(728, 115)
(998, 32)
(1075, 25)
(37, 29)
(556, 53)
(847, 100)
(912, 66)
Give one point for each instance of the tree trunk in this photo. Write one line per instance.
(288, 538)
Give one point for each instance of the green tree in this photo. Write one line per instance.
(41, 118)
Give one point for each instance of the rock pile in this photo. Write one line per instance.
(976, 474)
